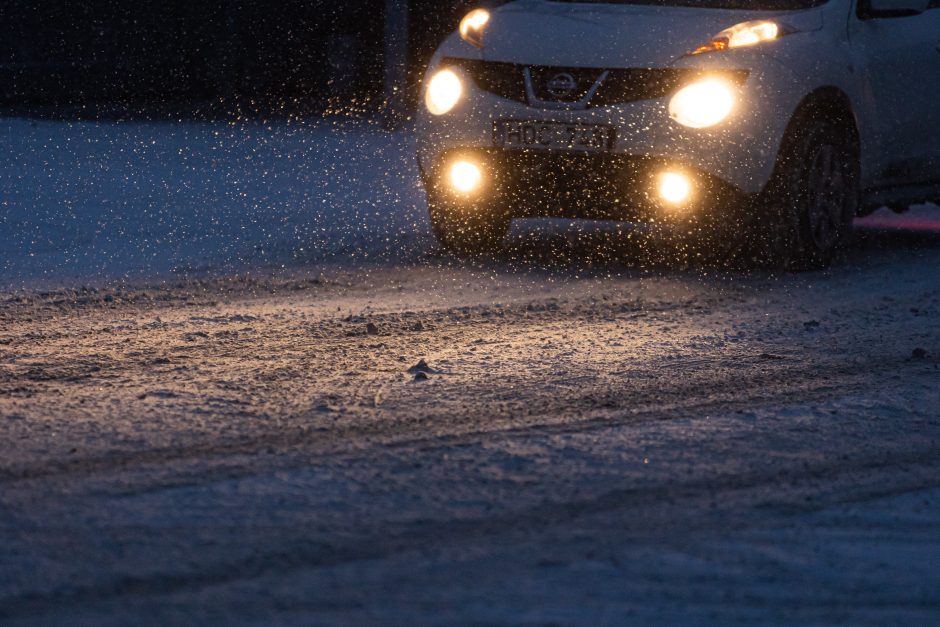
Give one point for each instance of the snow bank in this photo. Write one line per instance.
(102, 201)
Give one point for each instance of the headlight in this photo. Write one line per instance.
(444, 90)
(743, 35)
(702, 104)
(472, 26)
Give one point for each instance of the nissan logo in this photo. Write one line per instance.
(562, 85)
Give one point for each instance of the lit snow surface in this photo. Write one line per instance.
(593, 446)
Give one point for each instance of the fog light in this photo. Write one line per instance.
(675, 188)
(465, 177)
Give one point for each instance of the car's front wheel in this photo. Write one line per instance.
(804, 217)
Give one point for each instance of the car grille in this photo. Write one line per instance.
(507, 80)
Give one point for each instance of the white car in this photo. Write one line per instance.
(763, 127)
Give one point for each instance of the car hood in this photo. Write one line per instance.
(610, 35)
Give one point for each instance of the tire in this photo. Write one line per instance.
(467, 230)
(803, 219)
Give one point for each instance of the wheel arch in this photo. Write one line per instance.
(834, 105)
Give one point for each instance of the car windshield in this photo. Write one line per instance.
(754, 5)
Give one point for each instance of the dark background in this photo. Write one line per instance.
(289, 55)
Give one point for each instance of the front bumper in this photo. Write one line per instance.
(526, 184)
(738, 154)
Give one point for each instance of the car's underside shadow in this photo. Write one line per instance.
(625, 248)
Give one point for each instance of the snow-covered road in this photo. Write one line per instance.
(594, 444)
(577, 433)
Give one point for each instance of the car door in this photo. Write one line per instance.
(899, 60)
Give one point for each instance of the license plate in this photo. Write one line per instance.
(520, 134)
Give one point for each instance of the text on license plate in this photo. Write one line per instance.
(553, 136)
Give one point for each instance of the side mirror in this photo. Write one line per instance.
(896, 8)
